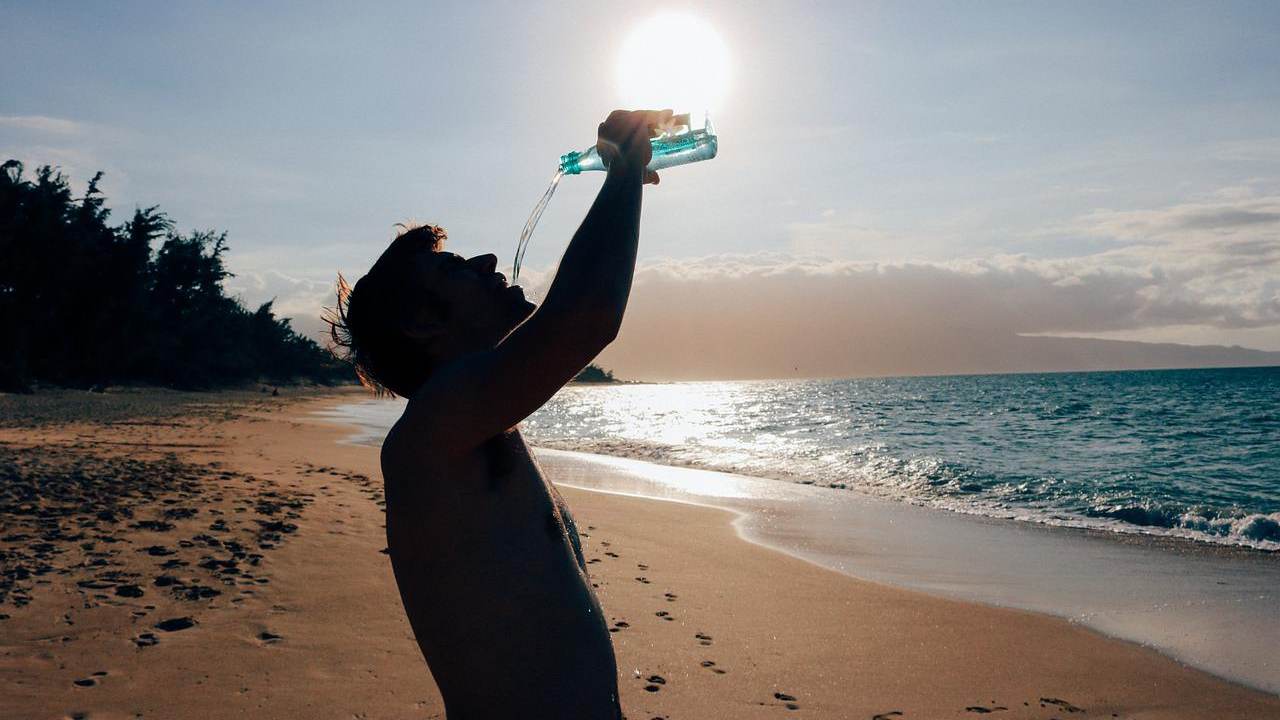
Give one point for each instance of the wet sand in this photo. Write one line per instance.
(226, 561)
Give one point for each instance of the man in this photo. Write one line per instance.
(484, 549)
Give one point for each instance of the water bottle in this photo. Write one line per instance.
(677, 145)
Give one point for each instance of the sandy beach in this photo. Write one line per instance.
(225, 560)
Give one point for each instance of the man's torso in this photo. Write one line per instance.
(490, 570)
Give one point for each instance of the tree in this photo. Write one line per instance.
(83, 302)
(594, 374)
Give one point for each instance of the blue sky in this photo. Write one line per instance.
(1117, 147)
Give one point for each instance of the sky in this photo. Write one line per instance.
(1107, 170)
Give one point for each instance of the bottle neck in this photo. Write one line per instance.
(569, 163)
(574, 162)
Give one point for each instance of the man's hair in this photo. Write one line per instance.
(366, 325)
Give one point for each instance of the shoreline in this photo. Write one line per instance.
(369, 424)
(728, 628)
(1201, 603)
(1085, 578)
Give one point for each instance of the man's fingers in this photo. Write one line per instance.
(651, 177)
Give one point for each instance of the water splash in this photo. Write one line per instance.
(532, 223)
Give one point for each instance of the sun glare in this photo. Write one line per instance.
(673, 60)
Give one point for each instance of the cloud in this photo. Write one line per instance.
(1188, 221)
(300, 299)
(41, 124)
(1212, 265)
(1209, 270)
(772, 316)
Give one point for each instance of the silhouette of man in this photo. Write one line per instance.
(485, 552)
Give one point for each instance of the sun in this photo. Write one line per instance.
(673, 60)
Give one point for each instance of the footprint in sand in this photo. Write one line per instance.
(642, 566)
(711, 665)
(129, 591)
(887, 716)
(175, 624)
(789, 701)
(269, 637)
(642, 579)
(619, 625)
(655, 683)
(612, 554)
(671, 597)
(981, 710)
(664, 615)
(703, 639)
(146, 640)
(1061, 704)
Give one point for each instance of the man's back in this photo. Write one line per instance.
(491, 573)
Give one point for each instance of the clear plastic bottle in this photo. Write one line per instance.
(679, 145)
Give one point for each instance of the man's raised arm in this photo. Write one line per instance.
(482, 394)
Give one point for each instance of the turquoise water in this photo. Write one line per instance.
(1191, 453)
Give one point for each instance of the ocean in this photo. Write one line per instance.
(961, 486)
(1188, 453)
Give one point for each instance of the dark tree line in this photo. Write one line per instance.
(84, 302)
(594, 374)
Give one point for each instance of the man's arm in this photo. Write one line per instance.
(483, 394)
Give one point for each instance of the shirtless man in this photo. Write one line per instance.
(484, 549)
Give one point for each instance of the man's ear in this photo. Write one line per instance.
(427, 333)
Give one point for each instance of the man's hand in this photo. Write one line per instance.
(624, 138)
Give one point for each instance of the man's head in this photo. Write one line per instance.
(420, 305)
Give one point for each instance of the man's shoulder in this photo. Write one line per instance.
(409, 434)
(414, 439)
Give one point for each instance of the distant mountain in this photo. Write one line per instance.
(712, 355)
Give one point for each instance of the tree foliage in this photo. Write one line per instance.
(83, 302)
(594, 374)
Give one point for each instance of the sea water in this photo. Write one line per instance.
(1189, 453)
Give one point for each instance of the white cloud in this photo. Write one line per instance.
(41, 124)
(1206, 271)
(300, 299)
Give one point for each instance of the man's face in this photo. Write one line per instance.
(479, 305)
